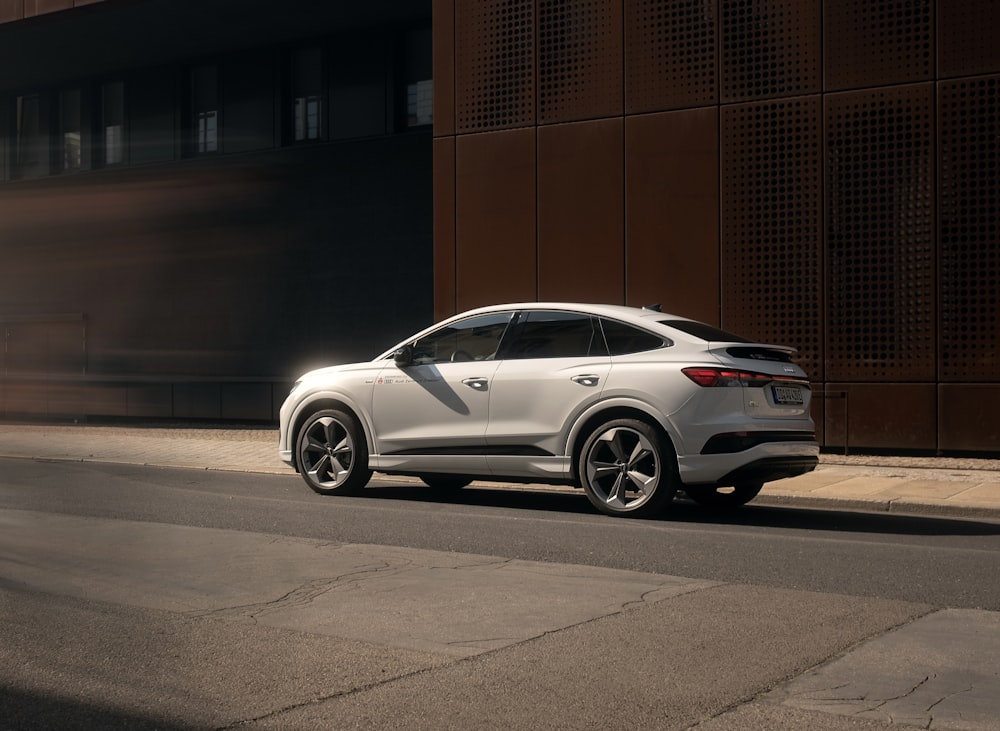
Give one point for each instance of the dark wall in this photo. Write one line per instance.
(248, 268)
(211, 254)
(822, 174)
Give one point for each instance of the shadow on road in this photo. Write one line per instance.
(685, 512)
(24, 710)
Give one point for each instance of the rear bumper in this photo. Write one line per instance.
(761, 463)
(769, 469)
(741, 441)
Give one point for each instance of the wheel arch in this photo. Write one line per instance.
(608, 412)
(319, 402)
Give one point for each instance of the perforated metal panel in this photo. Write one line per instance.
(495, 64)
(970, 229)
(967, 37)
(670, 54)
(770, 48)
(872, 42)
(771, 224)
(579, 60)
(880, 234)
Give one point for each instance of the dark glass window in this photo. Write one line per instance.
(205, 108)
(705, 332)
(414, 70)
(475, 338)
(541, 334)
(307, 94)
(624, 339)
(29, 143)
(420, 103)
(70, 130)
(113, 122)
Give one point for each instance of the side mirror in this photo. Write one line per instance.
(403, 357)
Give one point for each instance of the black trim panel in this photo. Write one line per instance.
(733, 442)
(496, 451)
(769, 469)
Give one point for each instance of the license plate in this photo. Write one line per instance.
(787, 395)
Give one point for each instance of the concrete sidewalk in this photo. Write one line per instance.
(931, 486)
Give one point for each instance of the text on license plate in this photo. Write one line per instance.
(787, 394)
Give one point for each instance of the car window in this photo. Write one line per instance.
(541, 334)
(705, 332)
(623, 339)
(475, 338)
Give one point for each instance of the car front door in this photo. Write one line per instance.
(430, 414)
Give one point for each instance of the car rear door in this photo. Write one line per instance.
(554, 364)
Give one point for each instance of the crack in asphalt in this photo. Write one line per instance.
(423, 671)
(299, 596)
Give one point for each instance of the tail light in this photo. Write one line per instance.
(726, 377)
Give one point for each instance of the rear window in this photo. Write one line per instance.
(704, 332)
(760, 353)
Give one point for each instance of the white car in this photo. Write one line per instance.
(630, 404)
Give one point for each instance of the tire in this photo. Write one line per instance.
(628, 468)
(446, 483)
(721, 498)
(332, 454)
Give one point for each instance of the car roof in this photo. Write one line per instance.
(621, 312)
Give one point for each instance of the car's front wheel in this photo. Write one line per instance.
(627, 468)
(724, 498)
(332, 454)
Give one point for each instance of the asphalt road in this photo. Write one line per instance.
(953, 563)
(139, 597)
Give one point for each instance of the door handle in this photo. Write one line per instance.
(588, 380)
(478, 384)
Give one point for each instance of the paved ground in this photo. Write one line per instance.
(293, 633)
(934, 486)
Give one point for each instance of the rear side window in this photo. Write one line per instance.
(704, 332)
(540, 334)
(623, 339)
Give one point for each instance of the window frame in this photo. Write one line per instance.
(291, 96)
(597, 347)
(29, 150)
(59, 161)
(442, 333)
(101, 121)
(194, 111)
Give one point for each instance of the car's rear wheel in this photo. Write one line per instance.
(724, 498)
(627, 468)
(332, 454)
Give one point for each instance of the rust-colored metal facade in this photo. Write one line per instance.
(824, 174)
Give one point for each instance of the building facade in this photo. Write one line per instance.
(822, 174)
(190, 217)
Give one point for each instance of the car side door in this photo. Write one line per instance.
(554, 365)
(435, 403)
